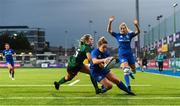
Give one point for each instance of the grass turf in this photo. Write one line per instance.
(35, 87)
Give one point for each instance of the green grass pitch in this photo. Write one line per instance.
(35, 87)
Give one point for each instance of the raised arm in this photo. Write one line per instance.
(137, 30)
(109, 28)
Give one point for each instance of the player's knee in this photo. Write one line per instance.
(10, 67)
(109, 86)
(125, 64)
(133, 70)
(126, 70)
(116, 81)
(68, 78)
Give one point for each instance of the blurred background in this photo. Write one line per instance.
(45, 32)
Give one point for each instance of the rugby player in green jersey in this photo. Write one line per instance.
(75, 63)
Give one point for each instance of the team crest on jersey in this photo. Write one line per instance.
(99, 56)
(7, 53)
(127, 36)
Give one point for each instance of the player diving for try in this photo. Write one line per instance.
(9, 53)
(75, 63)
(100, 56)
(124, 38)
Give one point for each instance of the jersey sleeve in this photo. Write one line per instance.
(3, 52)
(132, 34)
(107, 53)
(13, 52)
(88, 49)
(94, 54)
(114, 34)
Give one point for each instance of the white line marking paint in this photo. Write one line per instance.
(85, 97)
(89, 105)
(73, 83)
(86, 85)
(162, 74)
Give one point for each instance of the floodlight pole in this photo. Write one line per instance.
(65, 48)
(174, 55)
(137, 40)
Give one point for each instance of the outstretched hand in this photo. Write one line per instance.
(112, 18)
(136, 22)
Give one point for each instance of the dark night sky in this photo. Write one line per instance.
(56, 16)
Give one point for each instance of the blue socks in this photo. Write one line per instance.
(123, 87)
(126, 76)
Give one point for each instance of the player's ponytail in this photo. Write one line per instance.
(85, 38)
(101, 41)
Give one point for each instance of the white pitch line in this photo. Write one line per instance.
(85, 85)
(142, 85)
(89, 98)
(76, 81)
(26, 85)
(87, 105)
(162, 74)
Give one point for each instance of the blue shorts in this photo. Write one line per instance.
(98, 75)
(127, 58)
(10, 62)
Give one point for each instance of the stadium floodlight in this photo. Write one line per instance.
(149, 25)
(22, 53)
(158, 18)
(30, 53)
(90, 21)
(15, 34)
(175, 4)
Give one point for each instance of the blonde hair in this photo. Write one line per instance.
(85, 38)
(124, 24)
(101, 41)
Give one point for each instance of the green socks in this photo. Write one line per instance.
(62, 80)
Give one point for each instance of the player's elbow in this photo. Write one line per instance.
(109, 31)
(137, 32)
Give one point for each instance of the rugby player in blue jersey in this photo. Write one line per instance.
(126, 58)
(8, 53)
(100, 56)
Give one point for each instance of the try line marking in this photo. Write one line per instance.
(83, 85)
(85, 97)
(73, 83)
